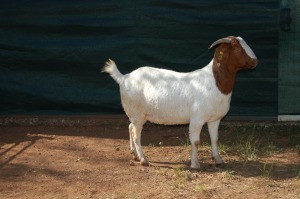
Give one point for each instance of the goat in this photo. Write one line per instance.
(167, 97)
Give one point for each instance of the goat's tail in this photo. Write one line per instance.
(110, 67)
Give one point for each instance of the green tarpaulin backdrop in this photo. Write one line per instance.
(289, 64)
(52, 51)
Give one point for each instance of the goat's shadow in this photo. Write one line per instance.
(237, 168)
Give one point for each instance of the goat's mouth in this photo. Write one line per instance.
(252, 67)
(252, 63)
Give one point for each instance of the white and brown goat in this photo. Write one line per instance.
(195, 98)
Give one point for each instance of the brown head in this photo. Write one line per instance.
(232, 55)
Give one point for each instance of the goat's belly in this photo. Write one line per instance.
(169, 117)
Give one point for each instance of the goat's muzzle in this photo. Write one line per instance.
(252, 63)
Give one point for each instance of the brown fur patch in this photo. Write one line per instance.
(224, 75)
(228, 60)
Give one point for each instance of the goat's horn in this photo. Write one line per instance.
(220, 41)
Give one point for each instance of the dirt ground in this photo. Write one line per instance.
(74, 158)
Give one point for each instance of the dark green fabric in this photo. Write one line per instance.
(289, 64)
(52, 51)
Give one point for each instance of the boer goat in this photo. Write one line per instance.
(195, 98)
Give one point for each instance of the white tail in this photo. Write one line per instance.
(110, 67)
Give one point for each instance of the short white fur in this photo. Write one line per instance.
(168, 97)
(248, 50)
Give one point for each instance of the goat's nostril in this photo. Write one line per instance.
(252, 63)
(255, 61)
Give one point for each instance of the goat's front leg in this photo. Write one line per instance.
(194, 135)
(213, 133)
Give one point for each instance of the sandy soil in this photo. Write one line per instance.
(71, 159)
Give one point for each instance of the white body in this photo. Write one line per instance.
(167, 97)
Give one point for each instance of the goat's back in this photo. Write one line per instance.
(168, 97)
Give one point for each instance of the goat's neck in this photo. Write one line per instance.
(224, 76)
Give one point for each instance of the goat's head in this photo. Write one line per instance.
(235, 52)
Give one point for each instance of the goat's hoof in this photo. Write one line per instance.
(136, 158)
(195, 169)
(145, 164)
(131, 163)
(220, 165)
(195, 165)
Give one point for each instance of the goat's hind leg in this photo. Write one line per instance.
(132, 145)
(135, 130)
